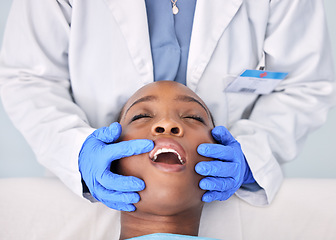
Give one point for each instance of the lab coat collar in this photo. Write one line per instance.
(210, 21)
(131, 16)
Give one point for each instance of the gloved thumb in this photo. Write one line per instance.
(108, 134)
(222, 135)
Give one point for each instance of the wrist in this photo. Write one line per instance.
(248, 176)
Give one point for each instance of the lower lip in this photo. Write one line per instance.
(165, 167)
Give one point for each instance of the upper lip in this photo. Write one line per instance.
(168, 145)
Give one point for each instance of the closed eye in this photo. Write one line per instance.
(195, 117)
(140, 116)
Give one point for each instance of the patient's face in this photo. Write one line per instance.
(177, 120)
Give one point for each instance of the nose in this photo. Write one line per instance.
(167, 126)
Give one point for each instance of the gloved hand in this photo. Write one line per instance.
(226, 174)
(95, 158)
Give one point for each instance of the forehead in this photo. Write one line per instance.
(165, 90)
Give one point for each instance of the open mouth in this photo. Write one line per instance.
(168, 156)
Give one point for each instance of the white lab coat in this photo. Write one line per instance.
(67, 67)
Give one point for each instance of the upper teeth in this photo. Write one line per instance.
(167, 150)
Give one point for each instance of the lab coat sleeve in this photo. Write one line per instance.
(297, 42)
(35, 86)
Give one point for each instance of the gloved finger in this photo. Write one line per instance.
(128, 148)
(112, 181)
(108, 134)
(211, 196)
(216, 151)
(120, 206)
(103, 194)
(218, 169)
(217, 184)
(222, 135)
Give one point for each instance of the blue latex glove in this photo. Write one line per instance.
(95, 158)
(226, 174)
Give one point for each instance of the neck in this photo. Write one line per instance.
(135, 224)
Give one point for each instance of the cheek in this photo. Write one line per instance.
(202, 136)
(133, 132)
(208, 137)
(132, 166)
(199, 137)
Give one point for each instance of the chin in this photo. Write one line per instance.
(170, 196)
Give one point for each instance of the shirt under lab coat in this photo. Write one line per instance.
(169, 36)
(68, 66)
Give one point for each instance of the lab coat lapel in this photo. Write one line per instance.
(132, 18)
(211, 19)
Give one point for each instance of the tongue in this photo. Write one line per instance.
(169, 158)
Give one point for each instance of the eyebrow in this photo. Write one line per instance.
(148, 98)
(181, 98)
(186, 98)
